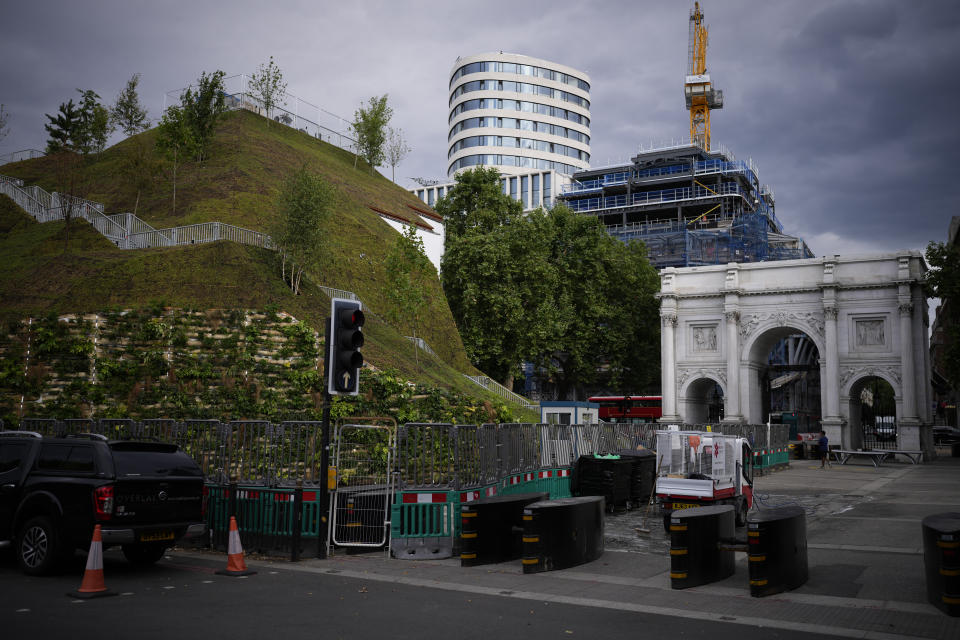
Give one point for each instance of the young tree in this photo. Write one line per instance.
(4, 123)
(369, 127)
(299, 231)
(397, 150)
(202, 109)
(268, 87)
(63, 128)
(175, 139)
(95, 124)
(127, 112)
(408, 270)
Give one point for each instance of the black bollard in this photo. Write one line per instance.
(491, 528)
(777, 550)
(563, 533)
(941, 561)
(695, 557)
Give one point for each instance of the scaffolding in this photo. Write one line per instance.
(689, 206)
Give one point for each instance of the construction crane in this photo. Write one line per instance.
(700, 95)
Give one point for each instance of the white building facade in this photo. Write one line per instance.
(866, 315)
(518, 114)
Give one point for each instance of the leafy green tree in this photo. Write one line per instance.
(130, 116)
(943, 281)
(176, 140)
(608, 331)
(476, 202)
(127, 112)
(408, 272)
(63, 128)
(268, 87)
(397, 150)
(369, 127)
(95, 124)
(493, 273)
(305, 205)
(203, 108)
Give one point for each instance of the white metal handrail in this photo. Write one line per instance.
(495, 387)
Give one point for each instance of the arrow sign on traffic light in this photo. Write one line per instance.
(343, 354)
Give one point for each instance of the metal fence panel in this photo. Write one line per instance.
(426, 455)
(360, 508)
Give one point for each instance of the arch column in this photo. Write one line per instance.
(732, 410)
(668, 368)
(909, 388)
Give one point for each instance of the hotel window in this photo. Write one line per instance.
(525, 191)
(513, 188)
(536, 190)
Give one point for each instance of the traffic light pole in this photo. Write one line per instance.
(324, 532)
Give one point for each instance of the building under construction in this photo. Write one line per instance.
(689, 205)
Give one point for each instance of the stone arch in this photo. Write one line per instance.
(753, 355)
(852, 380)
(695, 392)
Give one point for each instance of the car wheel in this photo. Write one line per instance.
(38, 546)
(741, 512)
(143, 555)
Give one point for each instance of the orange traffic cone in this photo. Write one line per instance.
(235, 565)
(92, 585)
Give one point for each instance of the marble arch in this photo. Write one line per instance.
(866, 315)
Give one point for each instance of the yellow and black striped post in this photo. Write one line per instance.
(777, 550)
(941, 559)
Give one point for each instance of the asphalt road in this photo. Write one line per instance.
(182, 598)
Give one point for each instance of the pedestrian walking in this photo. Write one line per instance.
(824, 449)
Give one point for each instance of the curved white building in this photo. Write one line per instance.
(518, 114)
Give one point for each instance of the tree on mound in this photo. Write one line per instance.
(299, 231)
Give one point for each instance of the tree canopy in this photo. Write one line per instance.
(369, 126)
(127, 112)
(551, 288)
(79, 128)
(202, 108)
(943, 281)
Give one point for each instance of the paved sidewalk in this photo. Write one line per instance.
(864, 551)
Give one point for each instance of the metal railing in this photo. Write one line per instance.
(249, 452)
(125, 230)
(19, 156)
(493, 386)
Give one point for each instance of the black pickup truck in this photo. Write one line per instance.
(53, 491)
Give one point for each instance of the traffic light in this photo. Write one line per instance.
(343, 355)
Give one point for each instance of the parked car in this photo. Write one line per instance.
(943, 435)
(53, 491)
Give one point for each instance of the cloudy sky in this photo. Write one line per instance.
(849, 108)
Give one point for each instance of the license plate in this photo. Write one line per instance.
(156, 536)
(683, 505)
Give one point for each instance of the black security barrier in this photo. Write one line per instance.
(695, 557)
(941, 561)
(777, 550)
(563, 533)
(603, 476)
(643, 471)
(491, 528)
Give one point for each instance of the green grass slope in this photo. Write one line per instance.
(239, 183)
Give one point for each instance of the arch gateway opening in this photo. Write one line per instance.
(808, 338)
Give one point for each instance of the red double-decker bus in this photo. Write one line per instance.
(629, 408)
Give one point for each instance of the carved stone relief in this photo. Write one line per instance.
(704, 338)
(870, 333)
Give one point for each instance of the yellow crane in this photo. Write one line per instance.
(700, 95)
